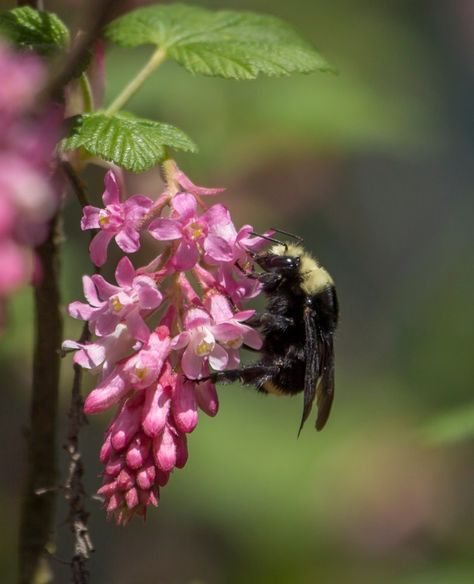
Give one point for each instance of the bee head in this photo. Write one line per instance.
(285, 265)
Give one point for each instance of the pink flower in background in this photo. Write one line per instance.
(27, 197)
(118, 220)
(163, 327)
(23, 76)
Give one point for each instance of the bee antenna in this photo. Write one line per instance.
(269, 239)
(273, 240)
(298, 238)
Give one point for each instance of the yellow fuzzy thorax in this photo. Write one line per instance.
(314, 278)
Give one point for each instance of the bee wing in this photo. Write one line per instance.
(312, 363)
(325, 388)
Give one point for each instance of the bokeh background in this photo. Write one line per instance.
(373, 167)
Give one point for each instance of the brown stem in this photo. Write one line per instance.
(75, 492)
(74, 487)
(38, 4)
(37, 511)
(99, 14)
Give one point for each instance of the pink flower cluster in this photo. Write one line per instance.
(160, 329)
(27, 199)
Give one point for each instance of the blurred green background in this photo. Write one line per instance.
(373, 167)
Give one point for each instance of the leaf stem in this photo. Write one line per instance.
(86, 91)
(129, 90)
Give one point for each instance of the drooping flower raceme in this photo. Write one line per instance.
(27, 200)
(160, 329)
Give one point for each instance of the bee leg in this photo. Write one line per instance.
(256, 374)
(274, 322)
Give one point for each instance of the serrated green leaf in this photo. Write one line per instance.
(233, 45)
(35, 30)
(127, 140)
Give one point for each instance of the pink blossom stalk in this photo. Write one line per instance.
(161, 330)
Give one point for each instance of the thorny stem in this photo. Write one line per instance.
(129, 90)
(37, 512)
(75, 493)
(74, 488)
(76, 183)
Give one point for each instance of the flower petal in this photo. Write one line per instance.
(192, 188)
(128, 240)
(108, 393)
(251, 337)
(149, 297)
(196, 317)
(164, 450)
(90, 218)
(104, 289)
(186, 255)
(218, 358)
(137, 326)
(180, 341)
(206, 396)
(106, 323)
(191, 363)
(218, 249)
(98, 247)
(165, 229)
(155, 410)
(139, 203)
(185, 205)
(124, 273)
(80, 310)
(90, 292)
(185, 406)
(112, 189)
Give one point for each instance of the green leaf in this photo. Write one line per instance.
(131, 142)
(38, 31)
(233, 45)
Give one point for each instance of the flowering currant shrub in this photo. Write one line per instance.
(160, 328)
(153, 335)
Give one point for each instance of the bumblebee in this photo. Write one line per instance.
(297, 326)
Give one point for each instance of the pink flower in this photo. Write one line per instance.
(16, 267)
(200, 345)
(157, 402)
(118, 220)
(27, 198)
(144, 367)
(101, 355)
(148, 376)
(109, 305)
(185, 407)
(138, 372)
(23, 77)
(194, 232)
(214, 338)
